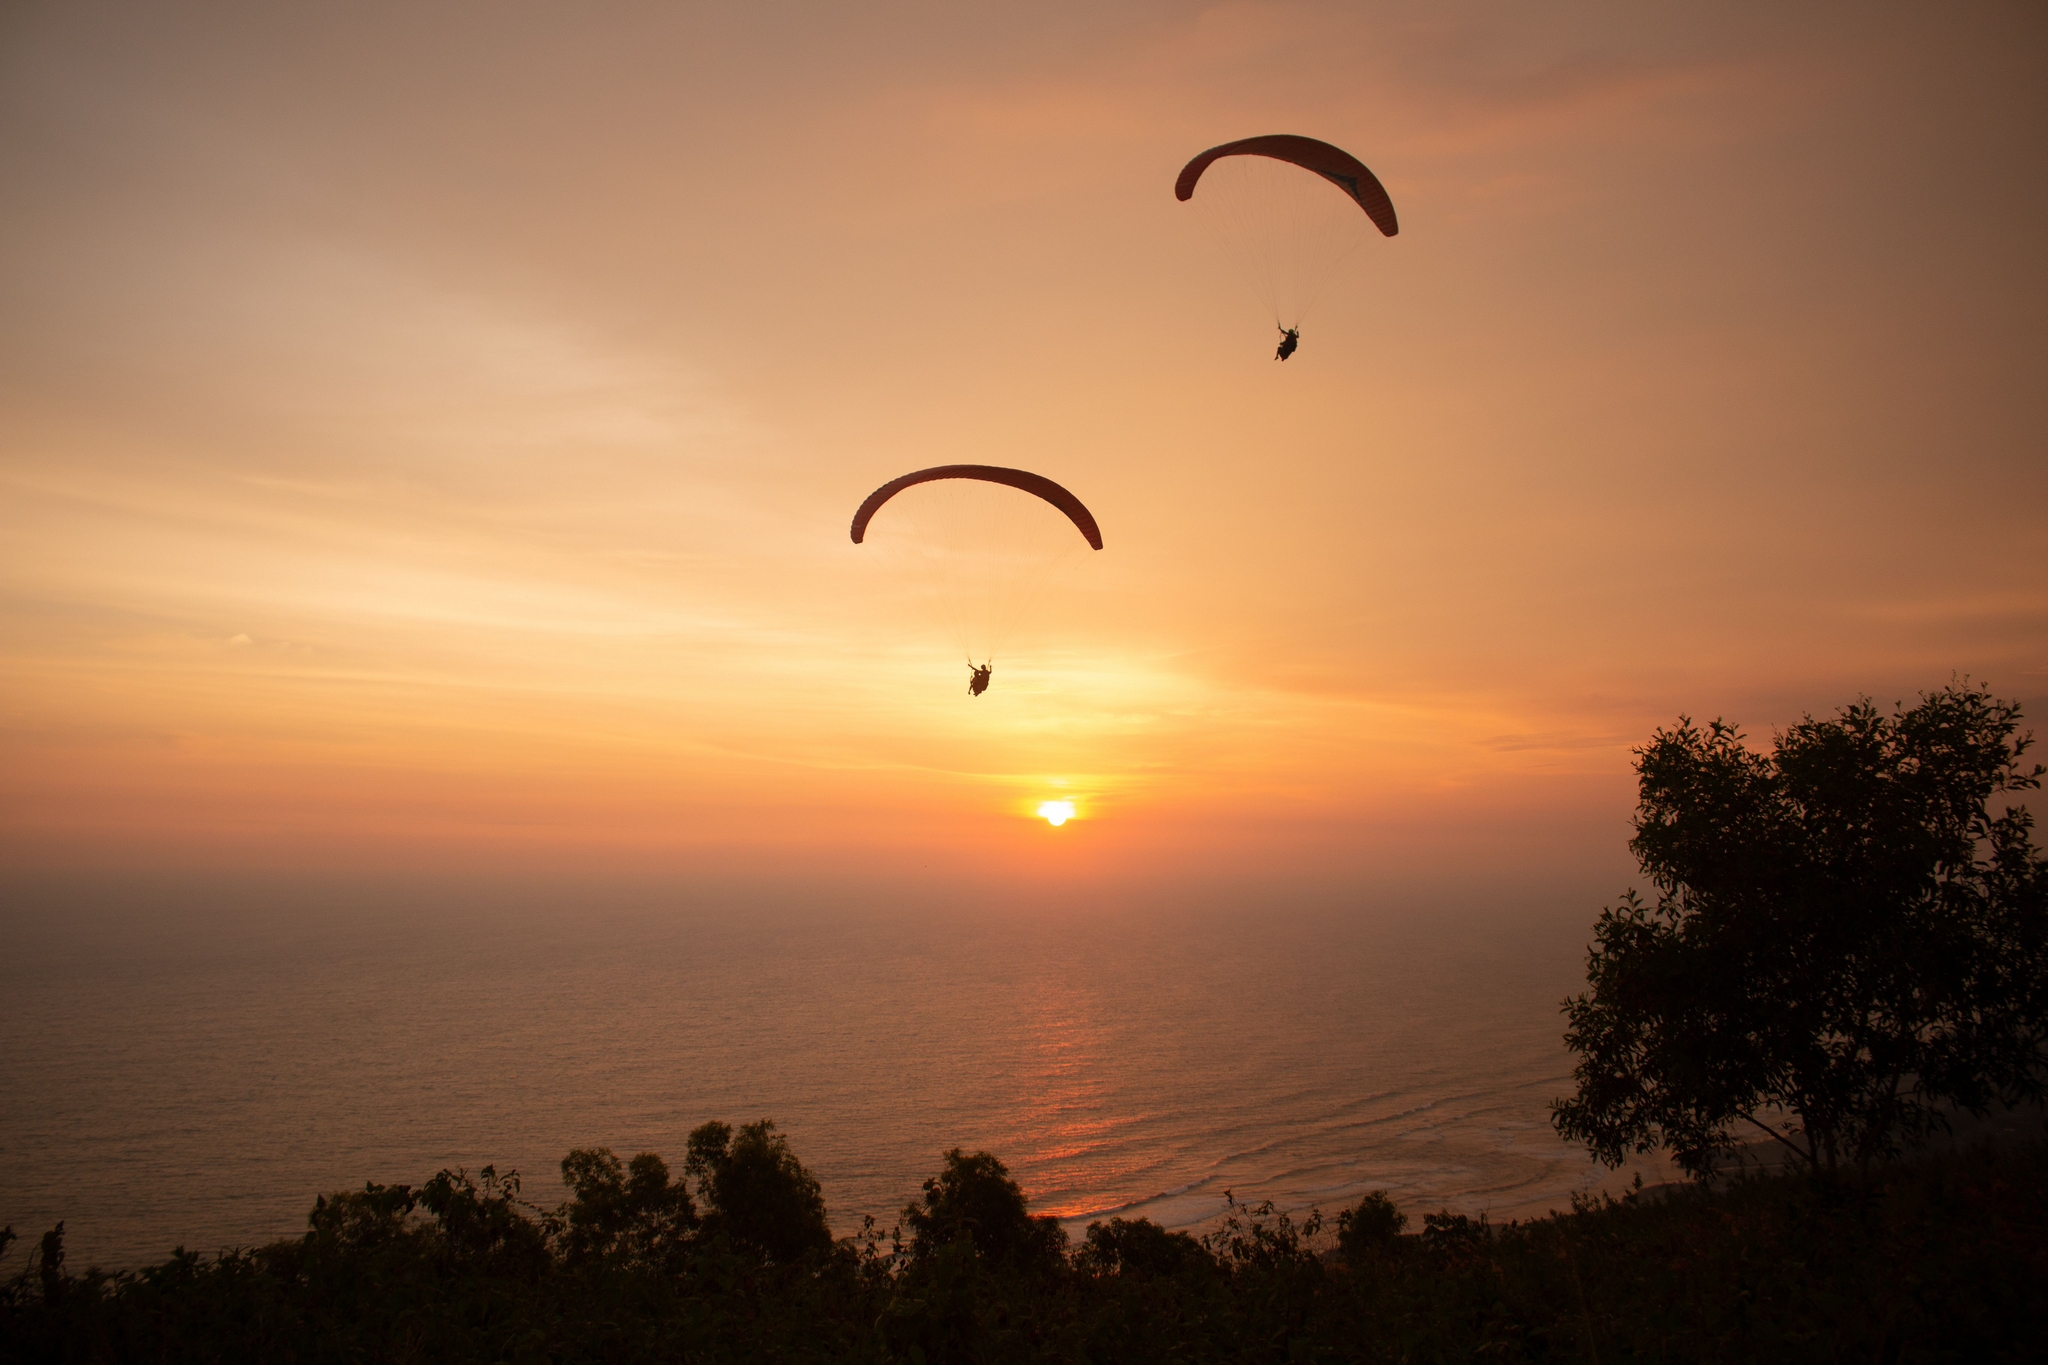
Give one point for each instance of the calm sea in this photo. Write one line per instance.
(184, 1072)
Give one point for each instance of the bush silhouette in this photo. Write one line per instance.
(482, 1226)
(757, 1195)
(1939, 1260)
(1140, 1247)
(973, 1200)
(623, 1215)
(1372, 1227)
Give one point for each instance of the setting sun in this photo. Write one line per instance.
(1056, 812)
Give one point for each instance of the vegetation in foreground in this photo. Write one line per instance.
(1938, 1260)
(1849, 941)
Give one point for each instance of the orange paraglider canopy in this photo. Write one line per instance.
(1333, 164)
(1035, 484)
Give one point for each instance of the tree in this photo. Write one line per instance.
(623, 1214)
(1847, 941)
(1373, 1226)
(974, 1200)
(482, 1222)
(756, 1193)
(1139, 1247)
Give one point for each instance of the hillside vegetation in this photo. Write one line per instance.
(1942, 1259)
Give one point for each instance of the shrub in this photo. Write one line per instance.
(1371, 1228)
(974, 1200)
(625, 1215)
(757, 1195)
(1140, 1247)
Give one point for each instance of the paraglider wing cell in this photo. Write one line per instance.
(1333, 164)
(1035, 484)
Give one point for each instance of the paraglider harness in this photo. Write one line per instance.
(977, 678)
(1290, 337)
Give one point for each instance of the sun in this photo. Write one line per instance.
(1056, 812)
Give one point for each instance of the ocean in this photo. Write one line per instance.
(191, 1071)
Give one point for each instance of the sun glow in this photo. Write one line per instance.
(1056, 812)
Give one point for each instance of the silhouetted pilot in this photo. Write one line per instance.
(977, 679)
(1290, 337)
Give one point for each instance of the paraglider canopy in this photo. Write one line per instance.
(1035, 484)
(1333, 164)
(984, 542)
(1289, 211)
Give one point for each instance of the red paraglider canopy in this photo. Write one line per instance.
(1035, 484)
(1333, 164)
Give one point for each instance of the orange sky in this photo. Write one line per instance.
(427, 433)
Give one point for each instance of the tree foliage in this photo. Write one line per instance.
(972, 1200)
(1849, 938)
(757, 1195)
(1939, 1261)
(630, 1214)
(1139, 1247)
(1370, 1227)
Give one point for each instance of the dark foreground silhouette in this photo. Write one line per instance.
(1940, 1259)
(1848, 944)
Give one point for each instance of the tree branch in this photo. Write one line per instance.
(1777, 1136)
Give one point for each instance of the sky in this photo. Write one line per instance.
(428, 432)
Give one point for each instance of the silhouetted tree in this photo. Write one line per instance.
(50, 1264)
(623, 1214)
(973, 1200)
(1373, 1226)
(369, 1219)
(756, 1193)
(482, 1223)
(1256, 1238)
(1847, 939)
(1139, 1246)
(1943, 1259)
